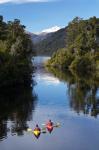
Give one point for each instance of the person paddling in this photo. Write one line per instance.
(37, 131)
(49, 126)
(37, 128)
(49, 123)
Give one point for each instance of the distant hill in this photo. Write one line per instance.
(48, 42)
(36, 38)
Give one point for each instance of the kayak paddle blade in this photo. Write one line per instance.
(29, 130)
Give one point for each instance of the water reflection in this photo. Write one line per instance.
(42, 74)
(16, 107)
(83, 91)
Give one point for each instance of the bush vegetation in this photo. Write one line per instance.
(82, 49)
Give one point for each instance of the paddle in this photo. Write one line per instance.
(43, 130)
(29, 130)
(55, 125)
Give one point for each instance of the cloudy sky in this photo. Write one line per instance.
(38, 15)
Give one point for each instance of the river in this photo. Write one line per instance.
(56, 97)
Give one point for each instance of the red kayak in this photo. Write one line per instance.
(49, 127)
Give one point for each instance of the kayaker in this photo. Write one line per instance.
(49, 123)
(37, 131)
(49, 126)
(37, 128)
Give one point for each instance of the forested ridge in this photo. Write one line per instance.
(15, 54)
(82, 47)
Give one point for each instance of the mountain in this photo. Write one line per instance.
(36, 38)
(49, 41)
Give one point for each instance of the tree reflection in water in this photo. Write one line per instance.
(16, 107)
(83, 90)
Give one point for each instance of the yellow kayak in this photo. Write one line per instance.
(36, 132)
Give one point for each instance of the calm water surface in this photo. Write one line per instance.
(56, 97)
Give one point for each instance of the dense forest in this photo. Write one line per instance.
(82, 49)
(15, 54)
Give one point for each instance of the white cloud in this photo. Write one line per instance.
(23, 1)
